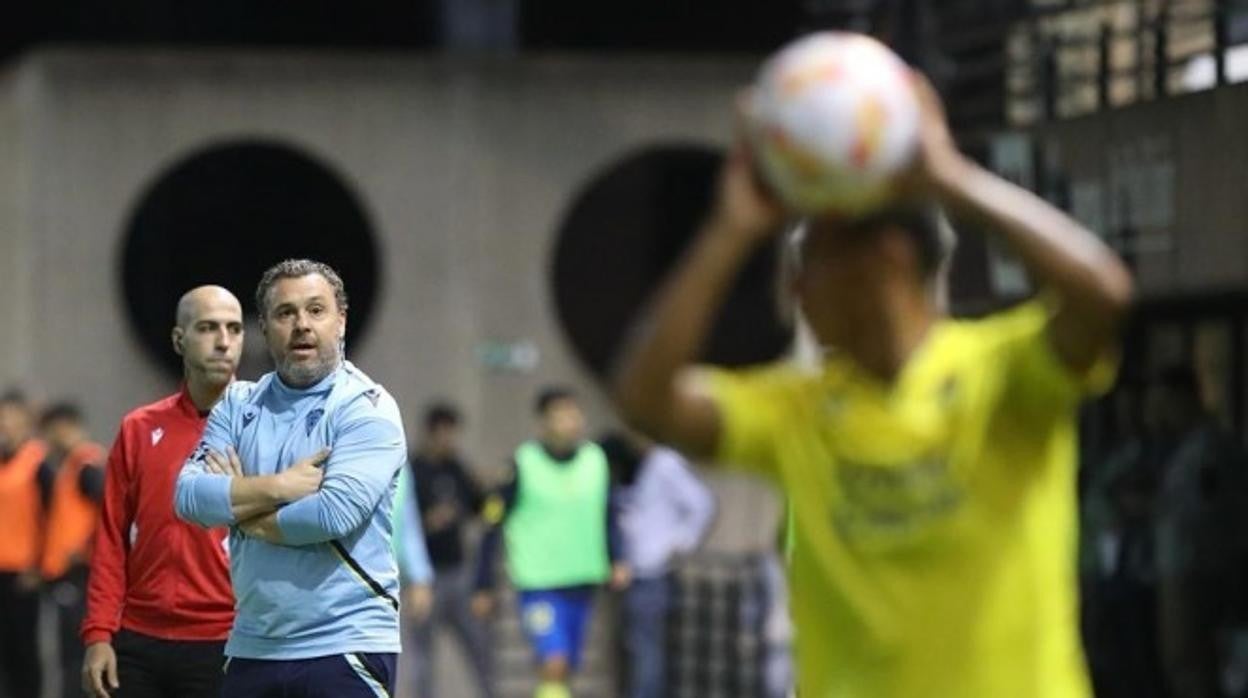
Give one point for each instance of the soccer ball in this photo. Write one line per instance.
(832, 118)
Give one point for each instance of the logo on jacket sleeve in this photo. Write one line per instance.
(200, 454)
(248, 417)
(157, 434)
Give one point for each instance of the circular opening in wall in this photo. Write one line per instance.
(622, 234)
(223, 215)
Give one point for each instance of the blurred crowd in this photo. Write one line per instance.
(52, 486)
(1164, 554)
(659, 510)
(1164, 549)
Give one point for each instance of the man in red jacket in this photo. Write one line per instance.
(159, 602)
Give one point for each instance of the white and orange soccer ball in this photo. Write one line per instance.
(833, 118)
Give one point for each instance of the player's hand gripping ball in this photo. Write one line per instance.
(832, 119)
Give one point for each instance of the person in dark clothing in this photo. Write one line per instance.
(449, 500)
(77, 491)
(665, 512)
(1120, 598)
(1200, 529)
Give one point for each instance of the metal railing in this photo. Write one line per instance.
(1078, 58)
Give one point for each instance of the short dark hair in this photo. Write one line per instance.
(619, 449)
(294, 269)
(551, 394)
(441, 414)
(623, 457)
(924, 223)
(61, 412)
(13, 397)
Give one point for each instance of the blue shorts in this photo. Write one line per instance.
(554, 620)
(352, 675)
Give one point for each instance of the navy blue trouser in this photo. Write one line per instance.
(353, 675)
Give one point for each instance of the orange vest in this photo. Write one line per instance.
(72, 516)
(20, 508)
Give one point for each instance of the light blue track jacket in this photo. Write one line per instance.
(332, 587)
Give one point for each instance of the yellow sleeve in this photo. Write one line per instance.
(751, 406)
(1035, 377)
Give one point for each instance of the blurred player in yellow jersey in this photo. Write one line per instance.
(930, 463)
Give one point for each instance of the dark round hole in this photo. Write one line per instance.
(226, 213)
(620, 237)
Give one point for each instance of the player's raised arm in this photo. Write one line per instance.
(646, 385)
(1090, 283)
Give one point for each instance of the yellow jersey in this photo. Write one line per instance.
(933, 518)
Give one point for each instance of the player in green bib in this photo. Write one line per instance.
(555, 515)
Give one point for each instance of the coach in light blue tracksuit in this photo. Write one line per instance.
(312, 562)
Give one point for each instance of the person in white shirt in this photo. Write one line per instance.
(664, 511)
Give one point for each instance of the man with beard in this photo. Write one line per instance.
(316, 578)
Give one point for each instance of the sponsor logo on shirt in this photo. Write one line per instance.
(894, 502)
(157, 434)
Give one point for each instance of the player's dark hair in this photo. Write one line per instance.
(441, 414)
(622, 456)
(549, 395)
(13, 397)
(924, 223)
(61, 412)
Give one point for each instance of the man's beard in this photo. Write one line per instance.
(304, 374)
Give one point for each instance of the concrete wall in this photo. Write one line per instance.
(16, 302)
(1173, 170)
(463, 168)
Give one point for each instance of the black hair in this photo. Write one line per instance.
(441, 414)
(622, 456)
(61, 412)
(13, 397)
(551, 394)
(924, 223)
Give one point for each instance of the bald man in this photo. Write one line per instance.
(159, 603)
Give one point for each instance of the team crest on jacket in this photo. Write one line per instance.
(313, 417)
